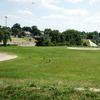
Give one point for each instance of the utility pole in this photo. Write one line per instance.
(6, 20)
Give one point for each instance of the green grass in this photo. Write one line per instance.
(47, 66)
(51, 63)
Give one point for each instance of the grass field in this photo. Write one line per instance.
(51, 65)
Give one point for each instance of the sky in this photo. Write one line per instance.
(82, 15)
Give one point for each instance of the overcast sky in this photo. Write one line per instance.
(83, 15)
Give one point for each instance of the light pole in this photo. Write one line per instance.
(6, 20)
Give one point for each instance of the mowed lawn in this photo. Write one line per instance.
(51, 63)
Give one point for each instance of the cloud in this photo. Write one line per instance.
(92, 2)
(21, 1)
(94, 19)
(76, 12)
(68, 13)
(50, 4)
(58, 16)
(74, 1)
(25, 12)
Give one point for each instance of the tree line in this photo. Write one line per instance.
(48, 37)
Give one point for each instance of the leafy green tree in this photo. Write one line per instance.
(16, 29)
(4, 36)
(72, 37)
(26, 29)
(83, 35)
(48, 32)
(94, 36)
(54, 35)
(35, 31)
(44, 41)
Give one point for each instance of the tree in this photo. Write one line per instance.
(72, 37)
(16, 29)
(83, 35)
(26, 29)
(4, 36)
(35, 31)
(94, 36)
(54, 35)
(63, 39)
(44, 41)
(48, 32)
